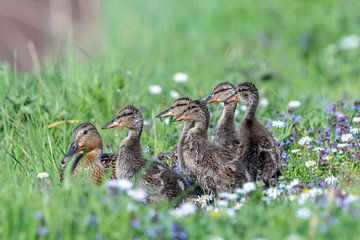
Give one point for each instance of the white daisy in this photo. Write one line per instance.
(120, 184)
(184, 209)
(356, 119)
(305, 140)
(180, 77)
(303, 213)
(42, 175)
(264, 102)
(310, 163)
(138, 194)
(278, 124)
(249, 187)
(155, 89)
(331, 180)
(355, 130)
(347, 137)
(174, 94)
(294, 104)
(350, 42)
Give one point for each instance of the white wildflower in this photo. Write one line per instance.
(331, 180)
(318, 149)
(243, 108)
(278, 124)
(356, 119)
(137, 194)
(174, 94)
(180, 77)
(184, 209)
(128, 72)
(350, 42)
(155, 89)
(222, 203)
(342, 145)
(350, 199)
(249, 187)
(42, 175)
(355, 130)
(264, 102)
(295, 151)
(347, 137)
(303, 213)
(310, 163)
(294, 104)
(120, 184)
(273, 192)
(305, 140)
(293, 183)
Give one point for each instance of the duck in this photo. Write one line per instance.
(258, 150)
(177, 107)
(225, 134)
(87, 146)
(215, 168)
(155, 177)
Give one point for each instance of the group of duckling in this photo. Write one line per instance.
(231, 158)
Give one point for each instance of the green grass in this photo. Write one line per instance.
(284, 47)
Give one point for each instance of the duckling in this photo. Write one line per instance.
(215, 168)
(225, 134)
(258, 149)
(177, 107)
(158, 179)
(87, 147)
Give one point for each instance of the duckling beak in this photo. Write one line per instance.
(210, 99)
(231, 99)
(181, 118)
(166, 113)
(72, 150)
(113, 123)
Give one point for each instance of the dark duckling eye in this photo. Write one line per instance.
(85, 132)
(73, 147)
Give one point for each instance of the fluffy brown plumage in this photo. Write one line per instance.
(258, 149)
(225, 134)
(215, 168)
(156, 178)
(87, 147)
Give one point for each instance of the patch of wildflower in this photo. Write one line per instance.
(42, 175)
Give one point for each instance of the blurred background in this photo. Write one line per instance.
(297, 43)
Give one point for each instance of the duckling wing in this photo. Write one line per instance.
(109, 162)
(269, 156)
(161, 179)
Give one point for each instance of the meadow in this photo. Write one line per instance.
(304, 56)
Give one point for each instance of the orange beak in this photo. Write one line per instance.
(113, 123)
(181, 118)
(231, 99)
(211, 99)
(166, 113)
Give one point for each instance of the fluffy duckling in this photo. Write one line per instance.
(215, 168)
(258, 149)
(225, 134)
(157, 178)
(87, 147)
(178, 107)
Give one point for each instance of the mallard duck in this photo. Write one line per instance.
(156, 177)
(177, 107)
(258, 149)
(225, 134)
(87, 147)
(215, 168)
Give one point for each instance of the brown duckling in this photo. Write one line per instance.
(87, 147)
(225, 134)
(177, 107)
(215, 168)
(157, 178)
(258, 149)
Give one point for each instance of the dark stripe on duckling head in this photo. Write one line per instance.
(222, 87)
(76, 162)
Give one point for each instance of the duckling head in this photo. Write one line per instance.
(178, 106)
(245, 92)
(221, 92)
(195, 111)
(129, 117)
(85, 138)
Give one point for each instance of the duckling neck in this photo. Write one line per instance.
(251, 107)
(93, 156)
(133, 139)
(200, 128)
(226, 120)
